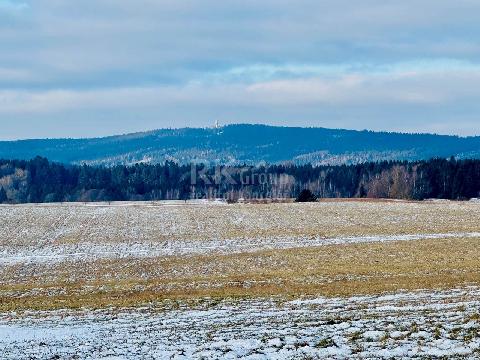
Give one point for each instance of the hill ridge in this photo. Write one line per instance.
(245, 143)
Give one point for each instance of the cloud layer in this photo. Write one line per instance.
(98, 67)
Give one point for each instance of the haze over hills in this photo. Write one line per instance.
(234, 144)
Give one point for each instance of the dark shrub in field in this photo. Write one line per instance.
(306, 196)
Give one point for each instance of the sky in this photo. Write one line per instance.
(102, 67)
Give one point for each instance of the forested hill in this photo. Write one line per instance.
(251, 144)
(39, 180)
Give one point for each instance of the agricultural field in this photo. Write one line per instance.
(336, 278)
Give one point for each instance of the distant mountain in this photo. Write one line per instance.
(250, 144)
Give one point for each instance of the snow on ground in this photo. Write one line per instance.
(415, 325)
(87, 251)
(399, 325)
(75, 232)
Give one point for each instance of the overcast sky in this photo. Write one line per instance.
(99, 67)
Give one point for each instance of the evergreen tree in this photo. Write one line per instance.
(39, 180)
(3, 195)
(306, 196)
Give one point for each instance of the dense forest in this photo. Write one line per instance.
(243, 143)
(39, 180)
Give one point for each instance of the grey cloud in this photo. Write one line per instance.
(153, 63)
(92, 36)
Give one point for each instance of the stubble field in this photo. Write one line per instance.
(323, 273)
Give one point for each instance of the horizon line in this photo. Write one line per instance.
(237, 124)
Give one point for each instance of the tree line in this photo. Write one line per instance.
(39, 180)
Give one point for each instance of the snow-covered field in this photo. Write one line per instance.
(87, 251)
(58, 232)
(414, 325)
(211, 280)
